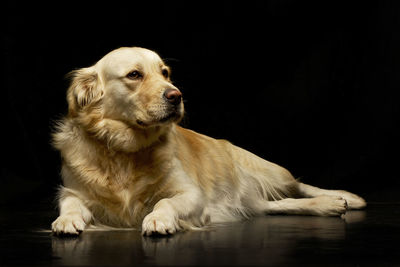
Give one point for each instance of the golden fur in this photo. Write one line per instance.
(126, 162)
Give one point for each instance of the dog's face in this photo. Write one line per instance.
(131, 85)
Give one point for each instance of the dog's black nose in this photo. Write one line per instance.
(173, 96)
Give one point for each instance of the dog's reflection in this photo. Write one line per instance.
(272, 238)
(99, 248)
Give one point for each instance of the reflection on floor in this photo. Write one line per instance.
(362, 238)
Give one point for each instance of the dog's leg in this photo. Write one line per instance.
(73, 215)
(167, 213)
(320, 206)
(353, 201)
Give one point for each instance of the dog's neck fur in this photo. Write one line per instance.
(119, 136)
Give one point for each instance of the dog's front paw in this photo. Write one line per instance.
(159, 223)
(68, 224)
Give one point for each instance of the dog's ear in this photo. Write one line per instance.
(85, 89)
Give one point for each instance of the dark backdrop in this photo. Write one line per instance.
(310, 85)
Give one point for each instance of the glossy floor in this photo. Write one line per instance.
(363, 238)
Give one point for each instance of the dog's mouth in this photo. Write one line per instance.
(173, 116)
(170, 116)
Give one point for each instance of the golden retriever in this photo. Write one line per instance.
(127, 164)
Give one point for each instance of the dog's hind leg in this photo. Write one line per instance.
(319, 206)
(353, 201)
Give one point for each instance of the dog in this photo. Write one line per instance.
(126, 163)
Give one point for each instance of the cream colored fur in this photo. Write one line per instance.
(126, 162)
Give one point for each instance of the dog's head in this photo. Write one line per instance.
(131, 85)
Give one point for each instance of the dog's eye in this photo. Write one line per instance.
(134, 75)
(165, 73)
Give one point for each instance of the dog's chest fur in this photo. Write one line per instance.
(120, 188)
(131, 185)
(137, 180)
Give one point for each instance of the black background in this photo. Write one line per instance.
(310, 85)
